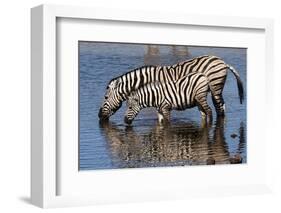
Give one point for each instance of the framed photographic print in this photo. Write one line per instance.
(134, 105)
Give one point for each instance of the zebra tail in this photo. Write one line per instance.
(239, 83)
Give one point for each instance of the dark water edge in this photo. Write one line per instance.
(146, 144)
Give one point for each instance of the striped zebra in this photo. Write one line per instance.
(187, 92)
(213, 67)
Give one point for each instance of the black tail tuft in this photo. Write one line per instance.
(240, 90)
(239, 84)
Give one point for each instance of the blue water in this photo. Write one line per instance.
(146, 144)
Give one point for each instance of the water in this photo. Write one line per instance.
(146, 144)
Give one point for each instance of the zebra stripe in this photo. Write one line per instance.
(187, 92)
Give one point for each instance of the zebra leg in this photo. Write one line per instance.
(205, 110)
(160, 118)
(164, 117)
(164, 114)
(216, 88)
(219, 104)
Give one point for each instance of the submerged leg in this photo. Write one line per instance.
(164, 117)
(164, 114)
(205, 110)
(160, 118)
(203, 117)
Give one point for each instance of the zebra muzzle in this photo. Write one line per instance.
(101, 115)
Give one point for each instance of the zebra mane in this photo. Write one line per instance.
(133, 70)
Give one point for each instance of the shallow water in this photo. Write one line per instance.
(146, 144)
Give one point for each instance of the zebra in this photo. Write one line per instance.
(187, 92)
(213, 67)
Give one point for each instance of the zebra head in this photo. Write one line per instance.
(112, 100)
(133, 108)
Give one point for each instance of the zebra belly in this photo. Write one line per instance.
(183, 107)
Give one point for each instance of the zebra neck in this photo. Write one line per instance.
(123, 96)
(122, 92)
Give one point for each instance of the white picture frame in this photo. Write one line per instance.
(44, 150)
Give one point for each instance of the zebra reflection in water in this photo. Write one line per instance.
(177, 144)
